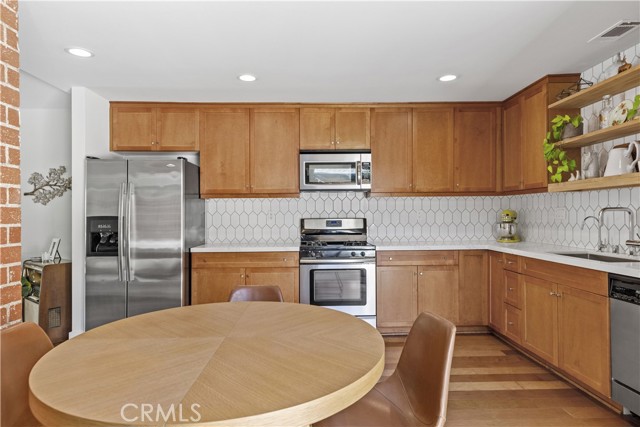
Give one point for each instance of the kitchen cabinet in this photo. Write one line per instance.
(150, 127)
(214, 275)
(496, 292)
(526, 119)
(335, 128)
(397, 295)
(249, 152)
(475, 133)
(391, 150)
(438, 291)
(410, 282)
(433, 150)
(473, 289)
(565, 314)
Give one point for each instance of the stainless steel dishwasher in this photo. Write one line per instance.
(624, 300)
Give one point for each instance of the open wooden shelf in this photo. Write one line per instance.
(618, 181)
(614, 85)
(601, 135)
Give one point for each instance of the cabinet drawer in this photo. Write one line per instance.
(417, 258)
(513, 289)
(512, 263)
(244, 259)
(576, 277)
(513, 327)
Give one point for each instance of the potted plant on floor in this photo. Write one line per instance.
(562, 126)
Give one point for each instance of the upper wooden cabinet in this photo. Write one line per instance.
(475, 149)
(334, 128)
(526, 119)
(433, 150)
(391, 150)
(249, 151)
(149, 127)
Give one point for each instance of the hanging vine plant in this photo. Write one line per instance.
(557, 160)
(45, 189)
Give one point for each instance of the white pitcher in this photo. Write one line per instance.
(621, 159)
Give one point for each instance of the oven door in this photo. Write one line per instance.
(349, 287)
(334, 172)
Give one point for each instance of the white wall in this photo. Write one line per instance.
(46, 143)
(90, 137)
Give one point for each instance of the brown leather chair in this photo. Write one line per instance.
(416, 393)
(21, 347)
(256, 293)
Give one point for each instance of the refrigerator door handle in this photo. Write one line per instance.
(121, 232)
(130, 196)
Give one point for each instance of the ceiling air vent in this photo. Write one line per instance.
(616, 31)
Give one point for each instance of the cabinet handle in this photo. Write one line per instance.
(390, 258)
(457, 185)
(242, 276)
(510, 323)
(337, 142)
(552, 293)
(559, 294)
(421, 273)
(332, 142)
(500, 261)
(510, 262)
(284, 259)
(511, 289)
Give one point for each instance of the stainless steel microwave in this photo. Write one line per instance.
(337, 171)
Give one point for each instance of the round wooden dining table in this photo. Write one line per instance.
(224, 364)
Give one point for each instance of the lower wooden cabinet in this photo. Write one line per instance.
(540, 334)
(473, 294)
(214, 275)
(496, 291)
(397, 294)
(513, 323)
(410, 282)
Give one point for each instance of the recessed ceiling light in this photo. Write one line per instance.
(247, 78)
(447, 78)
(78, 51)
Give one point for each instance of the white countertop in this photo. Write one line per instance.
(248, 247)
(541, 251)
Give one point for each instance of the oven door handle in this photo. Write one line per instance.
(359, 173)
(338, 261)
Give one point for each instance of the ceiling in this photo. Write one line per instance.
(306, 51)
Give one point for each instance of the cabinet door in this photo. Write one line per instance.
(512, 156)
(133, 128)
(473, 289)
(352, 128)
(438, 291)
(214, 284)
(513, 288)
(285, 278)
(534, 119)
(224, 151)
(397, 298)
(177, 129)
(583, 332)
(317, 129)
(391, 150)
(540, 333)
(275, 150)
(433, 150)
(475, 149)
(496, 291)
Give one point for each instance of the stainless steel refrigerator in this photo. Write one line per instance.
(142, 217)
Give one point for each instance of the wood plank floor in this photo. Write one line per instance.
(494, 385)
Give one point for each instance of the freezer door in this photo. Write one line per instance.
(105, 295)
(155, 229)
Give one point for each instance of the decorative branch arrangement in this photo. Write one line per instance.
(47, 189)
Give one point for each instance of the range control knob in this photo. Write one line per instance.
(353, 254)
(362, 253)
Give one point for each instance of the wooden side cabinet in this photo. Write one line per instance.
(214, 275)
(496, 292)
(475, 133)
(473, 294)
(50, 303)
(150, 127)
(335, 128)
(391, 150)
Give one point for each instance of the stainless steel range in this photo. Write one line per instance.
(338, 266)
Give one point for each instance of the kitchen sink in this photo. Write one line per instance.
(596, 257)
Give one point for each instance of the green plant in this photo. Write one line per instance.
(26, 287)
(557, 160)
(634, 110)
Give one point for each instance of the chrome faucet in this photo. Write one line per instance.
(632, 224)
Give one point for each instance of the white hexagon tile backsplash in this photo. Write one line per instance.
(554, 218)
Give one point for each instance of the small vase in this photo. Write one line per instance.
(570, 130)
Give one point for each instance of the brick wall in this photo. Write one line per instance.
(10, 226)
